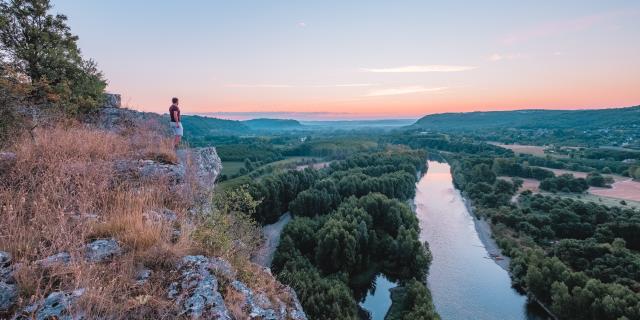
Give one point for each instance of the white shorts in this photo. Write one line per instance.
(176, 131)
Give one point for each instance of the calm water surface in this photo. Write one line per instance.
(463, 282)
(378, 298)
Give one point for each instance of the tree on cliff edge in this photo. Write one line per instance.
(38, 48)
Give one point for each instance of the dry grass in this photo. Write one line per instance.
(60, 194)
(63, 191)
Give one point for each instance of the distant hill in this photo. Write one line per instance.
(273, 124)
(532, 119)
(202, 126)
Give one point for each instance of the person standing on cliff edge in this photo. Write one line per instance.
(176, 126)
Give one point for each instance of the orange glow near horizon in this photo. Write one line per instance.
(364, 59)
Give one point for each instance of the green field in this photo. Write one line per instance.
(231, 167)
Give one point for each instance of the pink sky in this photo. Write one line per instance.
(364, 59)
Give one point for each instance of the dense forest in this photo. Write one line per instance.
(351, 222)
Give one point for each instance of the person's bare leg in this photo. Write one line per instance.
(176, 141)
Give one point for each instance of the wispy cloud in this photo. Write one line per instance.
(566, 26)
(276, 86)
(302, 24)
(505, 56)
(403, 90)
(233, 85)
(421, 68)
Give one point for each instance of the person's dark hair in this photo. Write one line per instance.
(174, 100)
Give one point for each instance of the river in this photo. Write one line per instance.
(464, 281)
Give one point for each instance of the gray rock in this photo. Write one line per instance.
(296, 312)
(258, 306)
(222, 268)
(118, 119)
(57, 306)
(143, 275)
(112, 100)
(149, 170)
(8, 290)
(164, 215)
(197, 292)
(62, 258)
(207, 164)
(5, 265)
(5, 259)
(102, 250)
(8, 295)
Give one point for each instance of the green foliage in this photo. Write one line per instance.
(412, 301)
(564, 183)
(41, 48)
(228, 230)
(348, 221)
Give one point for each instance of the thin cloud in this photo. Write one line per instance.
(566, 26)
(421, 68)
(339, 85)
(403, 90)
(302, 24)
(505, 56)
(258, 86)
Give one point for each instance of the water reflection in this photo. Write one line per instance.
(464, 283)
(378, 299)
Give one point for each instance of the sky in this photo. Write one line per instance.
(337, 59)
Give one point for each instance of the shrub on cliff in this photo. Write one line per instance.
(42, 52)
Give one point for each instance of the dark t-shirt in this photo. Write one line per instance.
(171, 110)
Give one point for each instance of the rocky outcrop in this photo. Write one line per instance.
(197, 293)
(112, 100)
(207, 165)
(112, 117)
(61, 258)
(57, 305)
(146, 170)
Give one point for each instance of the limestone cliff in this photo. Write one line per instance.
(148, 253)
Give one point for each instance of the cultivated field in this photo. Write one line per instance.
(623, 188)
(523, 149)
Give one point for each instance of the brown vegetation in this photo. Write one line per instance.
(63, 190)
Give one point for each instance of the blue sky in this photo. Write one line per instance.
(366, 58)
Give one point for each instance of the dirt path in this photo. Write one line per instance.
(271, 233)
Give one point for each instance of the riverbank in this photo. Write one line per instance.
(485, 233)
(483, 228)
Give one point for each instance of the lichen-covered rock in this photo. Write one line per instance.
(142, 275)
(112, 100)
(296, 312)
(8, 289)
(208, 166)
(150, 170)
(8, 295)
(102, 250)
(196, 293)
(5, 264)
(258, 307)
(61, 258)
(57, 305)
